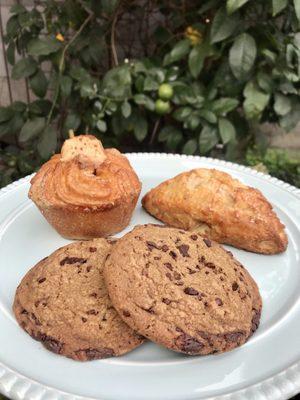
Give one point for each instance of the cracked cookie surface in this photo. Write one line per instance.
(181, 290)
(63, 303)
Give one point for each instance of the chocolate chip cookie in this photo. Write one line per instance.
(63, 303)
(181, 290)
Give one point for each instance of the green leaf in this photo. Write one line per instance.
(71, 122)
(223, 25)
(282, 104)
(167, 131)
(174, 140)
(265, 82)
(6, 114)
(79, 73)
(43, 47)
(224, 105)
(12, 126)
(40, 107)
(10, 53)
(278, 6)
(178, 52)
(140, 127)
(190, 147)
(233, 5)
(117, 82)
(297, 8)
(17, 9)
(208, 115)
(182, 113)
(101, 125)
(32, 128)
(19, 106)
(290, 120)
(38, 83)
(126, 109)
(226, 130)
(12, 26)
(255, 101)
(150, 84)
(208, 139)
(24, 68)
(47, 145)
(196, 59)
(65, 85)
(145, 101)
(242, 56)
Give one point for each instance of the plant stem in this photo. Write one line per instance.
(156, 125)
(113, 43)
(61, 64)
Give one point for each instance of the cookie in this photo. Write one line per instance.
(63, 303)
(182, 291)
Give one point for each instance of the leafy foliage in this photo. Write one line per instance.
(191, 77)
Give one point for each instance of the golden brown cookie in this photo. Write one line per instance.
(182, 291)
(212, 203)
(85, 191)
(63, 303)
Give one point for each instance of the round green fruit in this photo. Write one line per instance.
(165, 91)
(162, 107)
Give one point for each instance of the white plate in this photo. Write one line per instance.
(267, 367)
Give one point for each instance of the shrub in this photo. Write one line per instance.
(192, 77)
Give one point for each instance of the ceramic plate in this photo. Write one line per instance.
(267, 367)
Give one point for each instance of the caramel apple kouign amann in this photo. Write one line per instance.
(86, 191)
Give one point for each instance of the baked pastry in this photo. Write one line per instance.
(182, 291)
(63, 303)
(219, 207)
(86, 191)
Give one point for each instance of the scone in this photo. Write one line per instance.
(63, 303)
(212, 203)
(182, 291)
(86, 191)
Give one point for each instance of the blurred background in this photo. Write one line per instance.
(214, 78)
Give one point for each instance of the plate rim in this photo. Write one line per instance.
(280, 386)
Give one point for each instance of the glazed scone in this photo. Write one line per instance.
(219, 207)
(182, 291)
(86, 191)
(63, 303)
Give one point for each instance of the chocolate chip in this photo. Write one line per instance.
(95, 354)
(169, 276)
(24, 312)
(188, 344)
(92, 312)
(191, 271)
(37, 303)
(94, 295)
(184, 250)
(173, 254)
(191, 291)
(194, 237)
(178, 283)
(93, 249)
(210, 265)
(49, 342)
(234, 336)
(235, 286)
(152, 245)
(84, 319)
(177, 276)
(41, 280)
(219, 301)
(169, 266)
(166, 301)
(165, 248)
(73, 260)
(201, 259)
(88, 269)
(207, 242)
(126, 313)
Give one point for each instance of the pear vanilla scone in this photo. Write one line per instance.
(86, 191)
(217, 206)
(182, 291)
(63, 303)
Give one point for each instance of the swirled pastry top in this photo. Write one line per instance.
(85, 176)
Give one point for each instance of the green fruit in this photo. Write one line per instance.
(165, 91)
(162, 107)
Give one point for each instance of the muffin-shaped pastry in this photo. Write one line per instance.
(86, 191)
